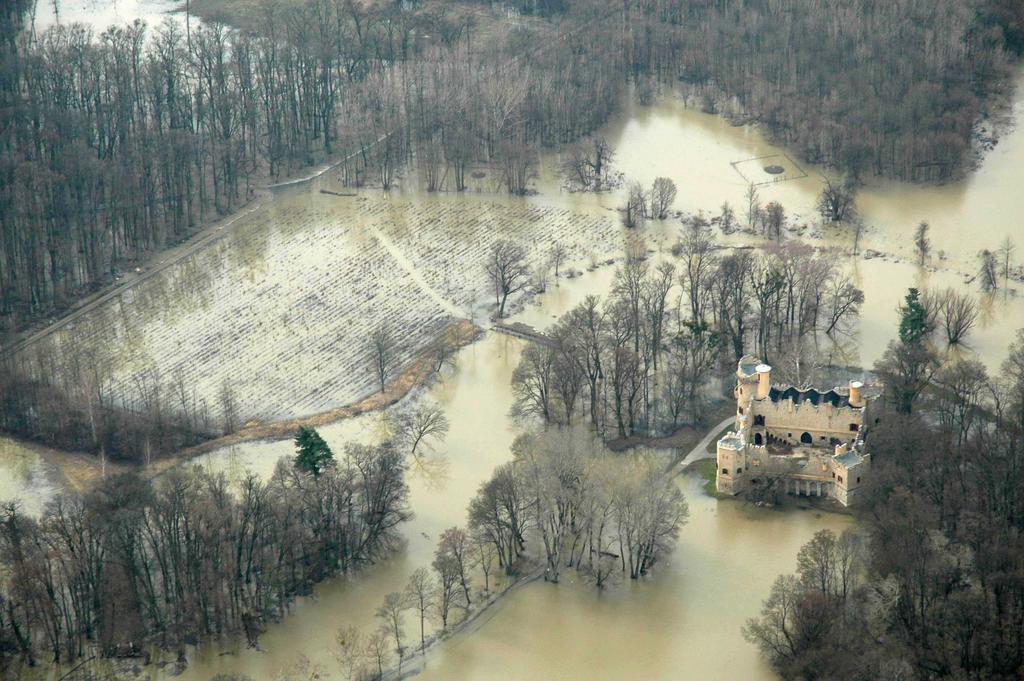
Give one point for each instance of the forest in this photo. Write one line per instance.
(189, 557)
(640, 362)
(119, 145)
(933, 585)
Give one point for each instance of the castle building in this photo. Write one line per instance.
(806, 442)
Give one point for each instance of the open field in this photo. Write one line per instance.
(281, 308)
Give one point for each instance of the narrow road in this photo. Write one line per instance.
(701, 450)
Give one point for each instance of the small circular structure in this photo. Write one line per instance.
(774, 169)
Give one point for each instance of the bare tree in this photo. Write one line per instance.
(958, 313)
(420, 593)
(352, 652)
(775, 217)
(392, 613)
(557, 256)
(987, 271)
(635, 210)
(413, 426)
(663, 193)
(508, 270)
(228, 407)
(1006, 250)
(836, 202)
(922, 244)
(753, 207)
(590, 165)
(384, 351)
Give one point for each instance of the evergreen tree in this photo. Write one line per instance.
(313, 454)
(913, 319)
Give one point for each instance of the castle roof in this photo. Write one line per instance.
(849, 459)
(836, 396)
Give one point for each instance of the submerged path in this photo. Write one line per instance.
(700, 451)
(413, 272)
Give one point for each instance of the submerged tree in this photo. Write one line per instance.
(508, 270)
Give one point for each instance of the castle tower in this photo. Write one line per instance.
(764, 381)
(855, 399)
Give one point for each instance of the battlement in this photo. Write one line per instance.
(800, 434)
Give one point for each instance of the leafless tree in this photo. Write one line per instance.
(385, 353)
(836, 202)
(753, 207)
(922, 244)
(775, 217)
(958, 313)
(635, 211)
(508, 271)
(557, 256)
(413, 427)
(987, 271)
(663, 194)
(420, 593)
(392, 614)
(1006, 250)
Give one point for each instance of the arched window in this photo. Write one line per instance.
(806, 438)
(759, 420)
(725, 471)
(758, 440)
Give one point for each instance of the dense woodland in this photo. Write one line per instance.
(640, 362)
(188, 557)
(118, 144)
(934, 586)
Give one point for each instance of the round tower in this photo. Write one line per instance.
(764, 381)
(855, 399)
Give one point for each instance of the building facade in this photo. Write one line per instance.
(799, 441)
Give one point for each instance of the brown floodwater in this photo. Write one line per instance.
(685, 620)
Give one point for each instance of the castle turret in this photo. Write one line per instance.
(855, 400)
(764, 381)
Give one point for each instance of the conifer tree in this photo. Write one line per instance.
(313, 455)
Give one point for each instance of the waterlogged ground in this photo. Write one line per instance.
(26, 478)
(278, 308)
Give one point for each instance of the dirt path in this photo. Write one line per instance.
(409, 267)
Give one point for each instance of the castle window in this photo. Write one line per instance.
(833, 475)
(840, 478)
(858, 479)
(822, 437)
(738, 471)
(741, 410)
(759, 420)
(806, 438)
(854, 427)
(725, 471)
(758, 440)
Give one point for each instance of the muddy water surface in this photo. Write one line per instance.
(685, 621)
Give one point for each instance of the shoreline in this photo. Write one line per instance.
(80, 471)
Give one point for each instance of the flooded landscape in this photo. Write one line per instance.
(276, 312)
